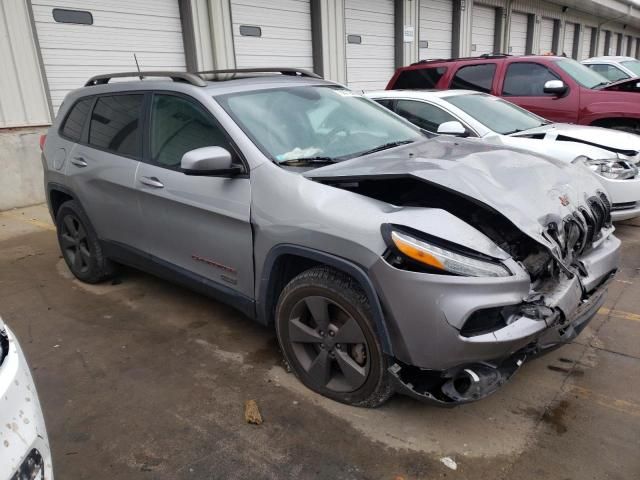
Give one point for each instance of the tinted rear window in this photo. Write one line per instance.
(74, 123)
(475, 77)
(115, 124)
(421, 78)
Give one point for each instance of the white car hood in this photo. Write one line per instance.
(607, 138)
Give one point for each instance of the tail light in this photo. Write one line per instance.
(43, 139)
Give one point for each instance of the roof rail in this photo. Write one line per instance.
(483, 56)
(297, 72)
(175, 76)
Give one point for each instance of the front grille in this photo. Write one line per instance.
(581, 229)
(623, 206)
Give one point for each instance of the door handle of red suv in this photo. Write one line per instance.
(152, 182)
(79, 162)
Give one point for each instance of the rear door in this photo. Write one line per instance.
(101, 167)
(523, 84)
(197, 225)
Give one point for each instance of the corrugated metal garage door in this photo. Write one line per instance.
(436, 27)
(518, 33)
(483, 27)
(586, 43)
(613, 45)
(569, 34)
(546, 35)
(72, 53)
(601, 41)
(272, 34)
(370, 43)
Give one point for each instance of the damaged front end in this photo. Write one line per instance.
(568, 285)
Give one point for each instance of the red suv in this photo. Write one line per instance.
(557, 88)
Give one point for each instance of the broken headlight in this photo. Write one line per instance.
(613, 168)
(442, 259)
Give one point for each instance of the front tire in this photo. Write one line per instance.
(323, 324)
(80, 246)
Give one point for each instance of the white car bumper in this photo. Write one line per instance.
(625, 197)
(24, 445)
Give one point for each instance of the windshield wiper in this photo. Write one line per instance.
(386, 146)
(601, 84)
(298, 162)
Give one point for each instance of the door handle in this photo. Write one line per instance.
(152, 182)
(79, 162)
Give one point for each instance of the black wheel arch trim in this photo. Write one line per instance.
(61, 188)
(266, 300)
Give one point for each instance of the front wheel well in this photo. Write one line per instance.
(284, 262)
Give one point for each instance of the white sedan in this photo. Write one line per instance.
(611, 155)
(24, 446)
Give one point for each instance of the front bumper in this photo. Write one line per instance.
(24, 444)
(624, 196)
(426, 313)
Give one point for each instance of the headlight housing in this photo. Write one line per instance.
(434, 256)
(613, 168)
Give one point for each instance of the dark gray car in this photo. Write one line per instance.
(386, 260)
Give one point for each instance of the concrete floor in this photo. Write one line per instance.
(142, 379)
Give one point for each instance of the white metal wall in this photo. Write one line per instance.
(601, 42)
(546, 35)
(23, 99)
(518, 33)
(483, 28)
(569, 35)
(586, 43)
(370, 63)
(285, 39)
(436, 26)
(72, 53)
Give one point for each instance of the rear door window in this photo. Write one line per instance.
(475, 77)
(424, 115)
(115, 124)
(420, 78)
(525, 79)
(74, 123)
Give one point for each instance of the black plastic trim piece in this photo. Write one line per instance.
(266, 297)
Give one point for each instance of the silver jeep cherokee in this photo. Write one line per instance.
(387, 261)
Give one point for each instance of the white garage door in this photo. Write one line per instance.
(483, 28)
(370, 43)
(272, 34)
(586, 42)
(546, 35)
(601, 41)
(436, 28)
(569, 35)
(518, 33)
(613, 45)
(73, 52)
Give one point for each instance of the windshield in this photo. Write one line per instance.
(581, 74)
(633, 65)
(322, 123)
(496, 114)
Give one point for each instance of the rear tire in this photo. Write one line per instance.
(80, 246)
(323, 324)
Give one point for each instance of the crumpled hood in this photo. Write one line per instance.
(528, 190)
(610, 139)
(621, 83)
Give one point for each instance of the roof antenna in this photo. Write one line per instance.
(137, 66)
